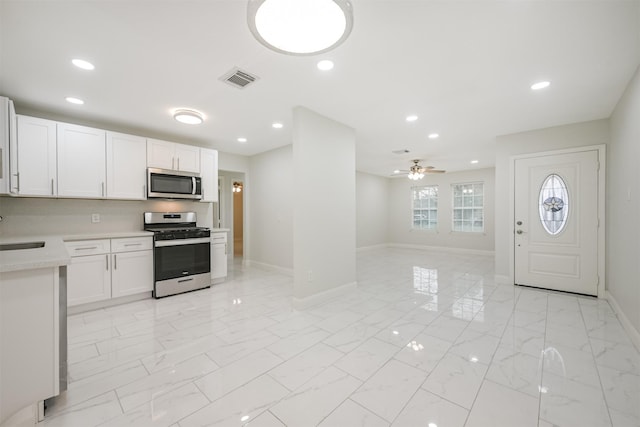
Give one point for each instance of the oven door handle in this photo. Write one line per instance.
(182, 242)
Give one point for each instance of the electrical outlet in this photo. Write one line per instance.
(95, 218)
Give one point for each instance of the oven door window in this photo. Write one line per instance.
(171, 184)
(172, 262)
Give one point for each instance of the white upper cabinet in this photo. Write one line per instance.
(209, 174)
(35, 158)
(81, 161)
(126, 166)
(173, 156)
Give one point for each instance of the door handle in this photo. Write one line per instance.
(519, 231)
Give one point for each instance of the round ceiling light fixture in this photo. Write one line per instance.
(300, 27)
(190, 117)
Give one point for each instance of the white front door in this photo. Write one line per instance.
(556, 222)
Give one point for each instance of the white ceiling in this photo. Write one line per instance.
(464, 67)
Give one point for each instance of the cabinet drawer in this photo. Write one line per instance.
(130, 244)
(88, 247)
(218, 237)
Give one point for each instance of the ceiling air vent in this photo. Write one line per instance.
(238, 78)
(404, 151)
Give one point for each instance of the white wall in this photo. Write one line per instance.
(400, 215)
(270, 193)
(324, 217)
(233, 162)
(623, 204)
(555, 138)
(35, 216)
(372, 213)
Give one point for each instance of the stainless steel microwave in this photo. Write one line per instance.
(170, 184)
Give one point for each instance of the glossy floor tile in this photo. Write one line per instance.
(426, 339)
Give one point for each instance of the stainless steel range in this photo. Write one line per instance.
(181, 252)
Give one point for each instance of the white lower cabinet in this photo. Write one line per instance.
(132, 273)
(109, 268)
(218, 254)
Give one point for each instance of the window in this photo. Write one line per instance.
(554, 204)
(425, 207)
(468, 207)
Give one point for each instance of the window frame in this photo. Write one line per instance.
(472, 208)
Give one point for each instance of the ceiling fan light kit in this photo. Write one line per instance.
(417, 172)
(300, 27)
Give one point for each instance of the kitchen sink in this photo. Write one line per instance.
(18, 246)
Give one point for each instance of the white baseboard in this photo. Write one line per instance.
(324, 296)
(441, 249)
(372, 247)
(626, 323)
(501, 279)
(108, 303)
(270, 267)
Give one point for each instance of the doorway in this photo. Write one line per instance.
(558, 207)
(238, 219)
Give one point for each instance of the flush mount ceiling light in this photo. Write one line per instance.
(277, 125)
(190, 117)
(72, 100)
(540, 85)
(412, 118)
(81, 63)
(433, 136)
(300, 27)
(474, 162)
(242, 139)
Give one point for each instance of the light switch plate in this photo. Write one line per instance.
(95, 218)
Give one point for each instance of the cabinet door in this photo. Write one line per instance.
(126, 167)
(160, 154)
(36, 158)
(88, 279)
(187, 158)
(132, 273)
(218, 260)
(81, 161)
(209, 174)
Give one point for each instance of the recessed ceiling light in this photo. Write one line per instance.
(242, 139)
(325, 65)
(540, 85)
(81, 63)
(473, 162)
(277, 125)
(190, 117)
(433, 136)
(412, 118)
(73, 100)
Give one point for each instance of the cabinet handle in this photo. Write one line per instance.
(178, 163)
(173, 163)
(225, 248)
(144, 191)
(107, 257)
(17, 175)
(115, 262)
(103, 189)
(133, 244)
(52, 193)
(86, 248)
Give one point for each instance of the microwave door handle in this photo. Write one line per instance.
(193, 186)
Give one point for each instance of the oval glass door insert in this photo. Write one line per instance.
(554, 204)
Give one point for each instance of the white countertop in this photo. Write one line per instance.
(53, 254)
(220, 230)
(106, 235)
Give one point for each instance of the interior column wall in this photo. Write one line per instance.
(324, 214)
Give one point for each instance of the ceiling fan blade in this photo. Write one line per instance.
(434, 171)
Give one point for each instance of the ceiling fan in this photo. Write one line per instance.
(416, 171)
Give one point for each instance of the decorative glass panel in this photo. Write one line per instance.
(554, 204)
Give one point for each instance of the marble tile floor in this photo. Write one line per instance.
(427, 339)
